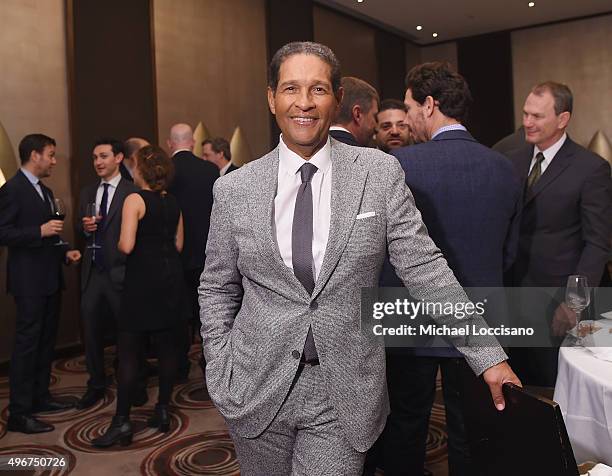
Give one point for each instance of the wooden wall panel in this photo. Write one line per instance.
(34, 98)
(577, 53)
(211, 66)
(353, 42)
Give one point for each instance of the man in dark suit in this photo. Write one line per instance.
(356, 119)
(192, 186)
(218, 152)
(469, 197)
(103, 264)
(391, 128)
(34, 272)
(566, 217)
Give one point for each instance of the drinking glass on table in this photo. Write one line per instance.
(577, 298)
(92, 212)
(59, 213)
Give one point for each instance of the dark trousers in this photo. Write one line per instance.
(35, 334)
(192, 307)
(411, 380)
(100, 303)
(130, 348)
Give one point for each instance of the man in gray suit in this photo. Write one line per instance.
(103, 268)
(294, 236)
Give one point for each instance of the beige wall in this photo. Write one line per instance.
(34, 98)
(442, 52)
(353, 42)
(211, 65)
(577, 53)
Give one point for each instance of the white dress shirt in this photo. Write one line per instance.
(113, 183)
(224, 169)
(549, 153)
(289, 181)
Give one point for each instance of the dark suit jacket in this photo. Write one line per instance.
(470, 198)
(511, 142)
(125, 173)
(231, 168)
(567, 218)
(115, 260)
(345, 137)
(192, 186)
(34, 266)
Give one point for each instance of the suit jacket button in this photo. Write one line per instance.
(314, 305)
(296, 355)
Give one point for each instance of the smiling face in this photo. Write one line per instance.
(543, 127)
(105, 162)
(304, 103)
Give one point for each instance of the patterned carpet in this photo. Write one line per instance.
(197, 443)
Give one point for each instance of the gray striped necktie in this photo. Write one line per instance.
(536, 171)
(301, 245)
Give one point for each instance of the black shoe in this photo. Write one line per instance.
(90, 398)
(160, 419)
(119, 431)
(52, 405)
(28, 425)
(140, 398)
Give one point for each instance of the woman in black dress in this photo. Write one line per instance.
(152, 237)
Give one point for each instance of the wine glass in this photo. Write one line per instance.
(577, 298)
(92, 211)
(59, 213)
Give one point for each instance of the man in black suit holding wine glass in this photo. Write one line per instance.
(30, 230)
(103, 269)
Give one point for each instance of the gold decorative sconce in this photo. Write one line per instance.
(239, 147)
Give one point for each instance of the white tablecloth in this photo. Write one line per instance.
(584, 392)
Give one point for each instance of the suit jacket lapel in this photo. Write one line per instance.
(558, 164)
(348, 182)
(261, 206)
(115, 203)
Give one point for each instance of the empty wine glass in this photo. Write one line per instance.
(577, 298)
(92, 212)
(59, 213)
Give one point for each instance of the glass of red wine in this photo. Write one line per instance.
(59, 213)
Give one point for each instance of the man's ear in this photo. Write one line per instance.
(356, 113)
(430, 105)
(271, 104)
(119, 158)
(564, 118)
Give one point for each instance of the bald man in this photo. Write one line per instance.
(192, 186)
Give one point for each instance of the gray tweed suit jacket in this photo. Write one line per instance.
(255, 313)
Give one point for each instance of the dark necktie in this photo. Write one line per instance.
(301, 245)
(536, 171)
(98, 257)
(45, 196)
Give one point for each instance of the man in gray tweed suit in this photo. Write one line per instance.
(294, 236)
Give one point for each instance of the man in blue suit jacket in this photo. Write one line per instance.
(469, 197)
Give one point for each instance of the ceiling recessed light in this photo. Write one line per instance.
(359, 1)
(435, 35)
(419, 27)
(531, 4)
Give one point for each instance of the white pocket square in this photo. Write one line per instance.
(365, 215)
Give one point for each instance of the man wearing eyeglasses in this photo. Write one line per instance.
(391, 129)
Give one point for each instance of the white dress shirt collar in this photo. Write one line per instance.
(224, 169)
(340, 128)
(549, 154)
(114, 182)
(34, 180)
(181, 150)
(291, 162)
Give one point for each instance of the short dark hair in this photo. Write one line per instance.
(561, 93)
(447, 87)
(116, 146)
(388, 104)
(356, 91)
(219, 144)
(33, 142)
(307, 48)
(155, 167)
